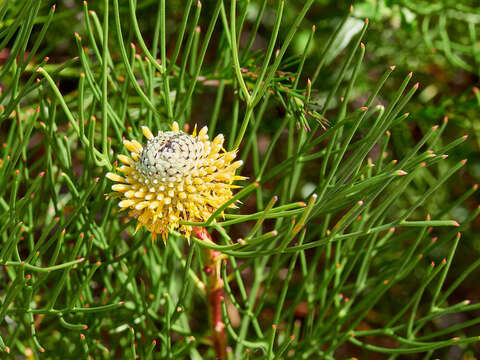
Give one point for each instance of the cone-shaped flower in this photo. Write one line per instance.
(175, 177)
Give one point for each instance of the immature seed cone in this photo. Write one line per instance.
(175, 177)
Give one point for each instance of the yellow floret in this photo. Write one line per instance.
(175, 177)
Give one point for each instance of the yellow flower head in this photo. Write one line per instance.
(175, 177)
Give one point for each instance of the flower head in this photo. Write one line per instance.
(175, 177)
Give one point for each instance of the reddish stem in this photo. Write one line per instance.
(212, 261)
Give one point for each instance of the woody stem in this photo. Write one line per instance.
(212, 262)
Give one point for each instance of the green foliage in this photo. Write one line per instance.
(361, 267)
